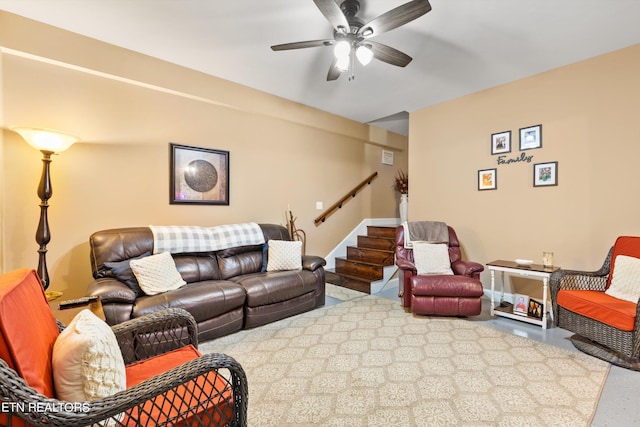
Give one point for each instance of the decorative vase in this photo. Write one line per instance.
(404, 207)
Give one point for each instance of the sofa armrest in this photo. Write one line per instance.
(467, 268)
(156, 333)
(312, 262)
(111, 290)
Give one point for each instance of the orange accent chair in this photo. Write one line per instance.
(168, 381)
(605, 326)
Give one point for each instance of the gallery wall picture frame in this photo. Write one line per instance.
(198, 175)
(531, 137)
(545, 174)
(501, 142)
(487, 179)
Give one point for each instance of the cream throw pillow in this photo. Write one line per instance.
(157, 273)
(284, 255)
(87, 362)
(625, 283)
(431, 258)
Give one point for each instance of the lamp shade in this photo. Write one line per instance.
(364, 54)
(342, 49)
(46, 139)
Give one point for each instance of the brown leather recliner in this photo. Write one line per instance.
(459, 294)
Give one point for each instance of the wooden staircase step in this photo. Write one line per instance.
(373, 256)
(349, 282)
(388, 232)
(359, 269)
(376, 243)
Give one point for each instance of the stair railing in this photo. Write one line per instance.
(338, 205)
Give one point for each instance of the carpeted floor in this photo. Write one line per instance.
(366, 362)
(341, 293)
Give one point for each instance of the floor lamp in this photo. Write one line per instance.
(48, 142)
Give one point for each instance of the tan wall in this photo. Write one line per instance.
(126, 108)
(589, 114)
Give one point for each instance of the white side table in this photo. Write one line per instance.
(534, 271)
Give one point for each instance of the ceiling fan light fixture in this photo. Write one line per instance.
(342, 49)
(342, 63)
(364, 54)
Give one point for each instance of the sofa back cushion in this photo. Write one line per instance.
(625, 245)
(121, 244)
(27, 349)
(238, 261)
(241, 260)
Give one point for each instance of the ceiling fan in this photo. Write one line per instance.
(351, 36)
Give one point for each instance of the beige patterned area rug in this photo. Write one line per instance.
(365, 362)
(341, 293)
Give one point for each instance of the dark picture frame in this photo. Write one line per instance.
(501, 142)
(545, 174)
(487, 179)
(198, 175)
(531, 137)
(535, 309)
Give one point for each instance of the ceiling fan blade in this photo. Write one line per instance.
(395, 17)
(302, 45)
(388, 54)
(334, 15)
(334, 72)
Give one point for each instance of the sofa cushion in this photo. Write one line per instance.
(245, 260)
(625, 245)
(277, 286)
(432, 258)
(284, 255)
(157, 273)
(121, 270)
(625, 283)
(203, 300)
(27, 349)
(599, 306)
(87, 363)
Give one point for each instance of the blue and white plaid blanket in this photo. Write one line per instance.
(186, 239)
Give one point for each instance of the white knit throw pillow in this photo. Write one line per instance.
(157, 273)
(625, 283)
(87, 362)
(284, 255)
(431, 258)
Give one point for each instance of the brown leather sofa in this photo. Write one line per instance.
(226, 290)
(459, 294)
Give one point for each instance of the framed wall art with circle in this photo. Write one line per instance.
(198, 175)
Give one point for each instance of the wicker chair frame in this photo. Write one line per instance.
(594, 337)
(191, 384)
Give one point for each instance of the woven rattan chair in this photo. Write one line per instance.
(596, 337)
(207, 390)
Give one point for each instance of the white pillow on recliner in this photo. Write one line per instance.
(431, 258)
(625, 283)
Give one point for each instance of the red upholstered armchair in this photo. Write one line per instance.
(445, 295)
(168, 382)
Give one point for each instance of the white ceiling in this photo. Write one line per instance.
(460, 47)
